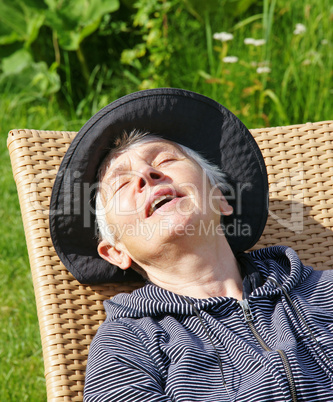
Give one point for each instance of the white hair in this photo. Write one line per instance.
(134, 140)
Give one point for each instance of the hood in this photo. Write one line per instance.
(280, 264)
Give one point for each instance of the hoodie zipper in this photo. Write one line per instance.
(249, 319)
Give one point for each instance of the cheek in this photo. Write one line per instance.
(215, 200)
(126, 204)
(192, 178)
(122, 205)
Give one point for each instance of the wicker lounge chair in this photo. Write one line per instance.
(299, 161)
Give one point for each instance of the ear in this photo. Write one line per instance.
(114, 255)
(225, 208)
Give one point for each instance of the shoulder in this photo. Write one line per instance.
(118, 332)
(120, 367)
(128, 336)
(117, 342)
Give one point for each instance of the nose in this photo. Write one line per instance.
(149, 175)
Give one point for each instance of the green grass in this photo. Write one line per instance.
(299, 85)
(298, 89)
(21, 374)
(22, 370)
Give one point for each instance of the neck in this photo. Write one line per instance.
(200, 271)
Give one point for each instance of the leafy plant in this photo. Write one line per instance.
(22, 76)
(151, 55)
(20, 21)
(73, 20)
(69, 23)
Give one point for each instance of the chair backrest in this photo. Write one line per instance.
(299, 161)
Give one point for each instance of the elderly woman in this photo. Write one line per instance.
(212, 323)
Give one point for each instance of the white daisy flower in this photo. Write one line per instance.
(259, 42)
(223, 36)
(255, 42)
(299, 29)
(249, 41)
(263, 70)
(230, 59)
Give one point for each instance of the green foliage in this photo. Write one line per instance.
(284, 80)
(231, 8)
(74, 20)
(151, 55)
(76, 49)
(23, 77)
(20, 21)
(70, 22)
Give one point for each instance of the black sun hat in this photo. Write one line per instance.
(177, 115)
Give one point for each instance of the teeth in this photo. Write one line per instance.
(157, 201)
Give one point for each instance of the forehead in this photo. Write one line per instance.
(147, 150)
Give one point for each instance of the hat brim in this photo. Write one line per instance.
(177, 115)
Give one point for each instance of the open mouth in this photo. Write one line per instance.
(159, 202)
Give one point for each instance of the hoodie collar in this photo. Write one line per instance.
(152, 301)
(282, 265)
(278, 263)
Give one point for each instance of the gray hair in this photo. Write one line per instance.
(131, 141)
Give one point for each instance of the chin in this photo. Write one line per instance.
(179, 226)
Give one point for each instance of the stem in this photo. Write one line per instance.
(209, 43)
(267, 19)
(165, 22)
(268, 14)
(84, 66)
(56, 47)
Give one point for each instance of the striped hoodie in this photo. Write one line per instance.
(275, 345)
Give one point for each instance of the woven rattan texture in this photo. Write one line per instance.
(69, 313)
(299, 162)
(300, 166)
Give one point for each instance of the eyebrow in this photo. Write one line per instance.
(151, 151)
(160, 147)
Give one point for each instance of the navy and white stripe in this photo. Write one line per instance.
(152, 346)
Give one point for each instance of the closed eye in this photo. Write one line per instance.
(166, 161)
(166, 157)
(120, 183)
